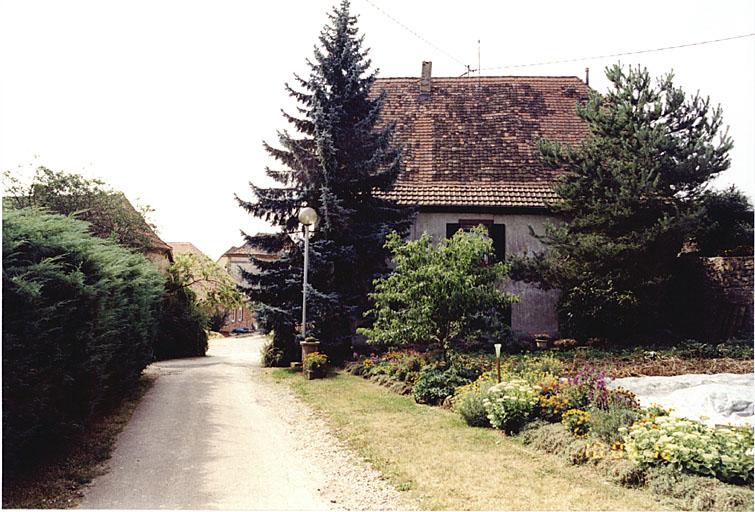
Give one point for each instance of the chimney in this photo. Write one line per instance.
(426, 83)
(587, 76)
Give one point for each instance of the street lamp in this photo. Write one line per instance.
(498, 360)
(308, 217)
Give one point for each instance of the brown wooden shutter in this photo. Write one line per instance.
(451, 229)
(498, 233)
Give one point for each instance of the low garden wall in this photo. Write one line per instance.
(728, 282)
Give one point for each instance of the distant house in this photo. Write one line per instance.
(471, 157)
(151, 245)
(234, 260)
(200, 288)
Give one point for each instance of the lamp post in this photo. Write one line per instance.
(498, 360)
(308, 217)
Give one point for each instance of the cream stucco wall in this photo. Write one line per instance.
(536, 311)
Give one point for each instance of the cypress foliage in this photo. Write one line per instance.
(340, 157)
(79, 317)
(629, 200)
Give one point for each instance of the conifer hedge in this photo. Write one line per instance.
(79, 319)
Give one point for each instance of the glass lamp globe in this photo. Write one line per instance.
(307, 216)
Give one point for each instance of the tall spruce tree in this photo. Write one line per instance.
(341, 156)
(628, 201)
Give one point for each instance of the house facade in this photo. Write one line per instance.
(234, 260)
(470, 157)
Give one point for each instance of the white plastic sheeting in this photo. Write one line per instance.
(717, 399)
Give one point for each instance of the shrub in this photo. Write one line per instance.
(577, 453)
(510, 404)
(732, 498)
(182, 325)
(315, 362)
(552, 401)
(532, 368)
(605, 423)
(725, 453)
(436, 382)
(625, 472)
(79, 320)
(469, 401)
(577, 421)
(271, 355)
(547, 437)
(436, 291)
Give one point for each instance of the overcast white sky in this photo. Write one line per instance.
(169, 101)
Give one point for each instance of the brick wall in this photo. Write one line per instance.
(728, 282)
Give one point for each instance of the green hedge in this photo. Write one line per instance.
(79, 319)
(182, 326)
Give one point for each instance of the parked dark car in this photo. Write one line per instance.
(242, 330)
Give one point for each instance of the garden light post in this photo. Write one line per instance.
(498, 360)
(308, 217)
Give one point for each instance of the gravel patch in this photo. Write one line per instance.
(348, 482)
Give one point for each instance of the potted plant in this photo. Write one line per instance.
(315, 365)
(542, 341)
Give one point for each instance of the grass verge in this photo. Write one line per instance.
(57, 482)
(442, 464)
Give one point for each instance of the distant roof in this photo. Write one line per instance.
(247, 250)
(152, 241)
(185, 248)
(473, 141)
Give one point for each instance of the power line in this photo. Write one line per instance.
(397, 22)
(637, 52)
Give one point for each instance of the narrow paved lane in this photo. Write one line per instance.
(208, 435)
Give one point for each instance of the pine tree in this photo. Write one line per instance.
(629, 200)
(340, 158)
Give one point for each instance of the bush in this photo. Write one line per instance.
(510, 404)
(725, 453)
(577, 421)
(469, 401)
(182, 325)
(436, 288)
(547, 437)
(79, 320)
(437, 382)
(605, 423)
(625, 473)
(696, 492)
(577, 453)
(271, 356)
(532, 368)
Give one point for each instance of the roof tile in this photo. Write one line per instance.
(473, 141)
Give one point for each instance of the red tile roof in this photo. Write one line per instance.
(247, 250)
(473, 141)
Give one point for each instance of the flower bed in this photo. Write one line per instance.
(568, 409)
(587, 422)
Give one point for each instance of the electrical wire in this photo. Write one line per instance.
(637, 52)
(415, 34)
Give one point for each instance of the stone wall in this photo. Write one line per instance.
(728, 282)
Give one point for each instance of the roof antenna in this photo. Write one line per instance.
(478, 64)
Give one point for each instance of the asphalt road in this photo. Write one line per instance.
(207, 436)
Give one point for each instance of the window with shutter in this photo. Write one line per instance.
(497, 232)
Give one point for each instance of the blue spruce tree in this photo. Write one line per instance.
(340, 158)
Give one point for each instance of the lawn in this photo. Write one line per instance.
(441, 463)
